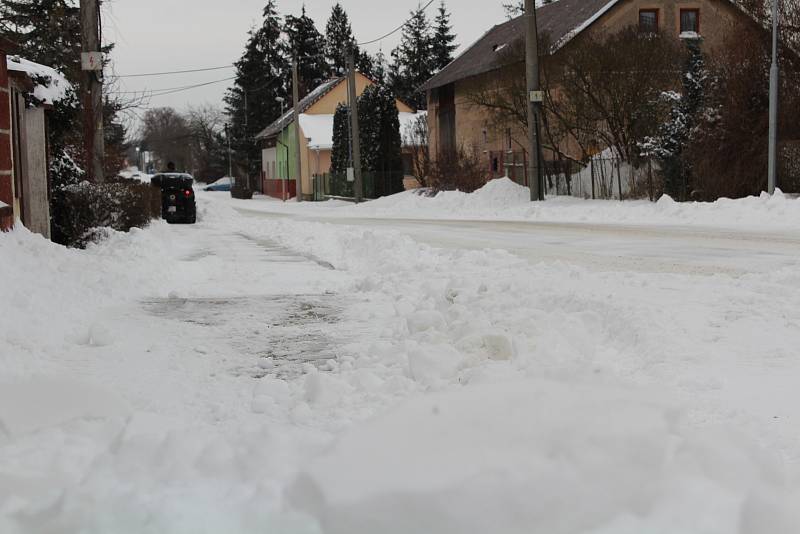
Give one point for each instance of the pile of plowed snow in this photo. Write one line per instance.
(505, 200)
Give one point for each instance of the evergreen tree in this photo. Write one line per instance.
(261, 76)
(340, 154)
(675, 135)
(49, 32)
(443, 43)
(338, 37)
(380, 69)
(366, 65)
(380, 137)
(412, 60)
(307, 44)
(380, 140)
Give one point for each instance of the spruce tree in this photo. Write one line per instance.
(443, 42)
(338, 37)
(380, 69)
(675, 135)
(307, 44)
(413, 61)
(261, 77)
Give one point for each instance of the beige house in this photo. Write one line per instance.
(455, 121)
(279, 145)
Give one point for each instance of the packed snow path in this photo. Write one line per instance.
(268, 371)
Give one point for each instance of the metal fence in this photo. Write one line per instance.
(602, 177)
(375, 185)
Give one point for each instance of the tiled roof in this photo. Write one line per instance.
(559, 21)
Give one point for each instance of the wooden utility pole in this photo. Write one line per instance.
(535, 99)
(296, 100)
(355, 138)
(92, 66)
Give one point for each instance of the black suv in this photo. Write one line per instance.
(178, 204)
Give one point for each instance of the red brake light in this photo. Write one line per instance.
(188, 192)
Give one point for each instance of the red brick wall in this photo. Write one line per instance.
(6, 194)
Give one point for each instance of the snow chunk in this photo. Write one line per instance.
(499, 458)
(38, 403)
(51, 85)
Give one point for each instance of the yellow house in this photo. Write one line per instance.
(279, 145)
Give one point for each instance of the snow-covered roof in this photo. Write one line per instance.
(318, 129)
(50, 85)
(288, 117)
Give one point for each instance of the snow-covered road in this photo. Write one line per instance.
(597, 246)
(291, 369)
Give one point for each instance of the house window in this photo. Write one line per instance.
(648, 21)
(690, 21)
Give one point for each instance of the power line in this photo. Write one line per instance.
(174, 72)
(158, 92)
(381, 38)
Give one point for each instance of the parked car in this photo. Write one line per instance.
(178, 203)
(223, 184)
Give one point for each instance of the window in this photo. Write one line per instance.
(690, 21)
(648, 21)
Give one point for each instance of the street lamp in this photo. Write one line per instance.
(773, 105)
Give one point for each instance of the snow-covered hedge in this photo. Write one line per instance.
(80, 210)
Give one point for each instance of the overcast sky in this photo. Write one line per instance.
(167, 35)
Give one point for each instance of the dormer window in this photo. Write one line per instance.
(648, 21)
(690, 22)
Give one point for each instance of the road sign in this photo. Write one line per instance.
(537, 96)
(351, 174)
(91, 61)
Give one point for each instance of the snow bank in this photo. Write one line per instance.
(543, 457)
(505, 200)
(51, 85)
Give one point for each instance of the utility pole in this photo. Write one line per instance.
(535, 99)
(296, 100)
(355, 139)
(92, 66)
(230, 160)
(772, 181)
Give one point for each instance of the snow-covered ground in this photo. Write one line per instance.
(269, 371)
(504, 200)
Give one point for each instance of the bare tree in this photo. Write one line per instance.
(417, 139)
(206, 125)
(166, 132)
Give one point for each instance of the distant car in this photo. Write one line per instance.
(223, 184)
(178, 203)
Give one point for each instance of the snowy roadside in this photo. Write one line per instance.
(471, 390)
(503, 200)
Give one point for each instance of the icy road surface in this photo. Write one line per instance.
(289, 369)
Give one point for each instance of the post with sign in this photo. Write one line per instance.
(536, 97)
(92, 97)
